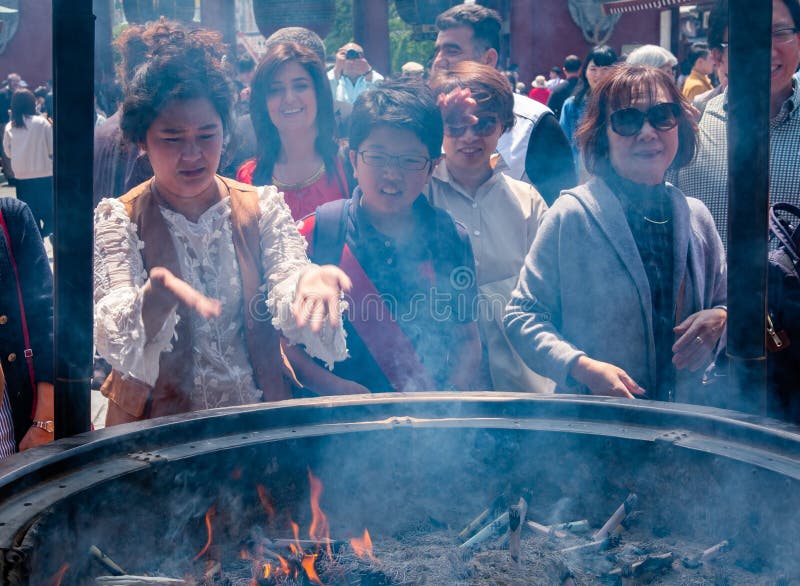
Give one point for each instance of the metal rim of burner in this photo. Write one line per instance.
(33, 481)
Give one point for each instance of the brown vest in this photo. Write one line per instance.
(132, 400)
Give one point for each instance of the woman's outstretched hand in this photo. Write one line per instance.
(163, 282)
(602, 378)
(318, 296)
(698, 336)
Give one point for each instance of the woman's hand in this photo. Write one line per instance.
(602, 378)
(458, 107)
(317, 296)
(35, 437)
(699, 334)
(163, 282)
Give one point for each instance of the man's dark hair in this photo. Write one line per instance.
(484, 22)
(404, 103)
(301, 36)
(718, 20)
(794, 9)
(245, 64)
(572, 64)
(697, 51)
(718, 24)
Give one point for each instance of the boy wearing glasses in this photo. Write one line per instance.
(410, 319)
(501, 214)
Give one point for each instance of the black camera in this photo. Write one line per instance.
(353, 54)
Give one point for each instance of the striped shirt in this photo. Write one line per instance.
(706, 177)
(7, 444)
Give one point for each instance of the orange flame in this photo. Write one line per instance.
(267, 570)
(296, 533)
(362, 546)
(284, 565)
(308, 566)
(211, 512)
(58, 576)
(319, 529)
(266, 501)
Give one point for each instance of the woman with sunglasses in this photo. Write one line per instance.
(623, 291)
(501, 214)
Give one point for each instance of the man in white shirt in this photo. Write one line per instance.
(352, 73)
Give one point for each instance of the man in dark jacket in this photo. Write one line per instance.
(572, 73)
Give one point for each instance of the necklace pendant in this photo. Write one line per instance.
(657, 222)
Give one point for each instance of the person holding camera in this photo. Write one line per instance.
(352, 73)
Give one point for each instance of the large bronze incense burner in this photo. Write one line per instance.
(207, 498)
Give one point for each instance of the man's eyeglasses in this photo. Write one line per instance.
(780, 36)
(629, 121)
(485, 126)
(407, 162)
(783, 35)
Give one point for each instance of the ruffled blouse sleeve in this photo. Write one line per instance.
(119, 277)
(284, 262)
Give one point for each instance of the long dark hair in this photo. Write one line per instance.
(23, 103)
(602, 56)
(267, 138)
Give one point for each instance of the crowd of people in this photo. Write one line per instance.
(276, 229)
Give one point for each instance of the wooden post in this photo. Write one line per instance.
(371, 31)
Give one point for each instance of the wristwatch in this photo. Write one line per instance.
(48, 425)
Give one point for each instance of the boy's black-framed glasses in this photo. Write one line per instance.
(406, 162)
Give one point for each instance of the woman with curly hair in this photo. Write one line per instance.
(292, 113)
(195, 273)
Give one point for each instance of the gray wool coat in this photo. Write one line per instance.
(583, 288)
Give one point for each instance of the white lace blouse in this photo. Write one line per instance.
(221, 369)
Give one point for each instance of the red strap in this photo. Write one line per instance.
(27, 339)
(389, 346)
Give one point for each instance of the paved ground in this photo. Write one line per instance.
(99, 403)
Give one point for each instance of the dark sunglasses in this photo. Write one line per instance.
(483, 127)
(629, 121)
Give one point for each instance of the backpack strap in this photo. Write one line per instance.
(330, 230)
